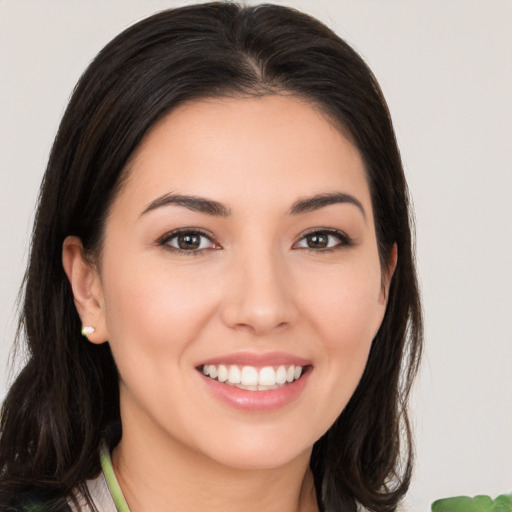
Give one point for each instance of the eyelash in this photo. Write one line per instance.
(166, 239)
(343, 239)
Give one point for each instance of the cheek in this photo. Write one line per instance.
(346, 314)
(346, 307)
(152, 310)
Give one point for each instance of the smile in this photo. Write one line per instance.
(250, 378)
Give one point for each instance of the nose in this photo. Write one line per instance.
(260, 298)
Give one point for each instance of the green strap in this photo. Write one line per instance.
(113, 485)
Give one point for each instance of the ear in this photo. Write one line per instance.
(87, 288)
(387, 274)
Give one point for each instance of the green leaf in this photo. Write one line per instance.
(502, 503)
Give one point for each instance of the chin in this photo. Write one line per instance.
(259, 452)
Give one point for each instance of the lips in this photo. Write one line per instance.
(256, 382)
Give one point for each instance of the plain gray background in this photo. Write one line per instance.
(445, 70)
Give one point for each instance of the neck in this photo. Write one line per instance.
(161, 474)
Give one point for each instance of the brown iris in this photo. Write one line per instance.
(317, 240)
(189, 241)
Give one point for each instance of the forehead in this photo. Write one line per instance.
(266, 149)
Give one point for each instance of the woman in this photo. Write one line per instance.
(224, 218)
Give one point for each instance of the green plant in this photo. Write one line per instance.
(502, 503)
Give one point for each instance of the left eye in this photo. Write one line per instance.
(322, 240)
(189, 241)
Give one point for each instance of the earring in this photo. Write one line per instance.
(86, 330)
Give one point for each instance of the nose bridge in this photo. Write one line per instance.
(261, 297)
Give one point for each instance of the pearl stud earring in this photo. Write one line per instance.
(86, 330)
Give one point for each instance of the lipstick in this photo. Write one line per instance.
(256, 382)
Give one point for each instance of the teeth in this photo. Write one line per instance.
(249, 376)
(252, 379)
(234, 375)
(222, 373)
(281, 375)
(267, 376)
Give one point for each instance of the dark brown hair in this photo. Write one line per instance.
(66, 398)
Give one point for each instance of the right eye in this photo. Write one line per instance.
(188, 241)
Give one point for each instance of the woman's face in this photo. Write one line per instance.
(243, 246)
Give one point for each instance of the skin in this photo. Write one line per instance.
(255, 285)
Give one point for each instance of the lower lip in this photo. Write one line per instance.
(258, 401)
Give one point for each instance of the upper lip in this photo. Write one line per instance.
(257, 359)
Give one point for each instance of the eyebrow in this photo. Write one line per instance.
(318, 201)
(194, 203)
(214, 208)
